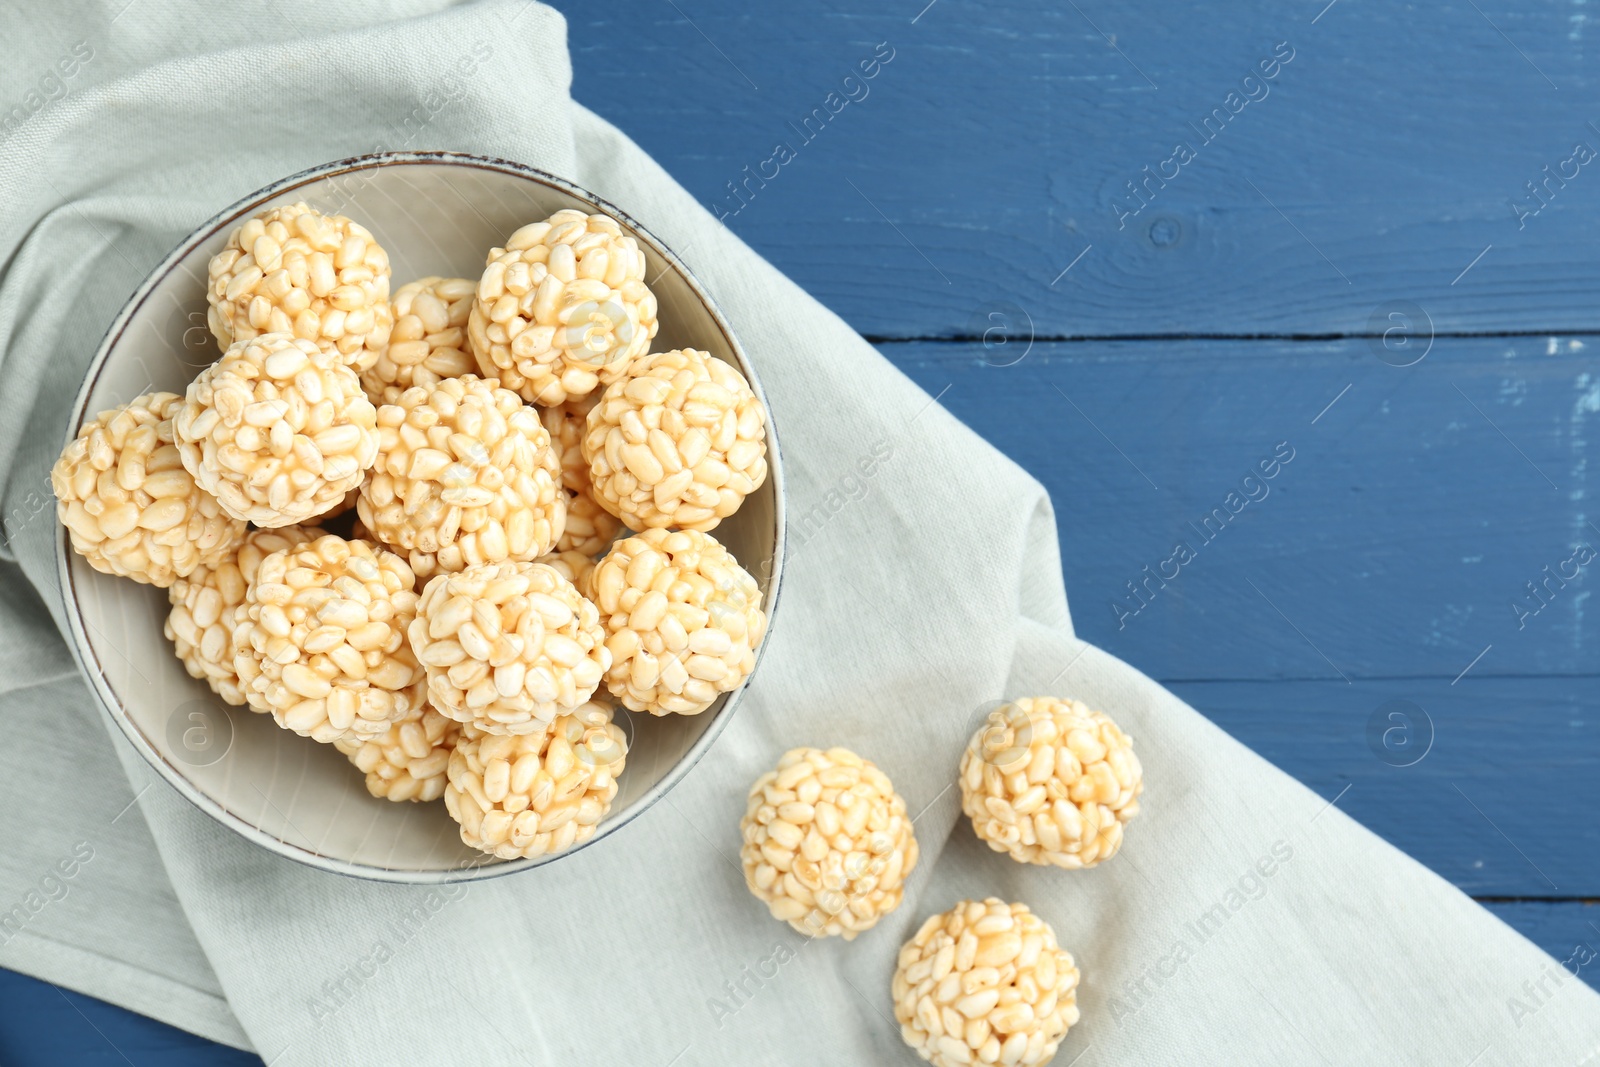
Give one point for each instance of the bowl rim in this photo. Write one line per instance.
(88, 664)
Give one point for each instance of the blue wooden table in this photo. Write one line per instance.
(1147, 249)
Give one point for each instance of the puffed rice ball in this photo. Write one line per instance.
(201, 622)
(465, 475)
(410, 760)
(294, 270)
(563, 308)
(1051, 781)
(680, 441)
(524, 795)
(130, 506)
(575, 567)
(321, 640)
(985, 983)
(278, 430)
(566, 424)
(590, 528)
(683, 620)
(827, 844)
(429, 341)
(508, 646)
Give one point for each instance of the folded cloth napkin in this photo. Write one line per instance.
(906, 611)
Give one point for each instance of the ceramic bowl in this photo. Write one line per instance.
(436, 214)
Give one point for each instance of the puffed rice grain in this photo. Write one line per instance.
(343, 506)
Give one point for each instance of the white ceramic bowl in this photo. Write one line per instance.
(435, 213)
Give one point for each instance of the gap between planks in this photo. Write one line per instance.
(1536, 900)
(972, 339)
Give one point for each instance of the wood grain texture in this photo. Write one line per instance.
(995, 146)
(1492, 782)
(1412, 517)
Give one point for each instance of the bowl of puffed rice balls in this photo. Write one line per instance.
(422, 518)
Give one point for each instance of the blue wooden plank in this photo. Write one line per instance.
(1491, 782)
(1414, 515)
(998, 142)
(42, 1025)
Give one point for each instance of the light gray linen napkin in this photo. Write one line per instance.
(1246, 921)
